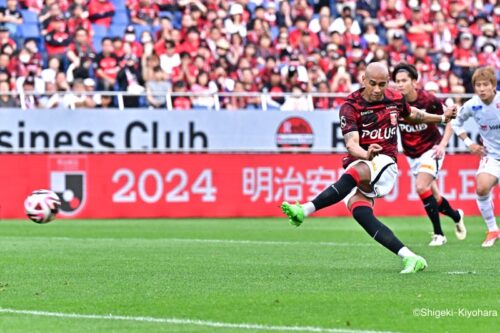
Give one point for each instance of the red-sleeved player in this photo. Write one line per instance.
(369, 122)
(424, 146)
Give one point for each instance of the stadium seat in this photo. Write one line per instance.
(99, 30)
(29, 30)
(96, 42)
(121, 17)
(139, 29)
(116, 30)
(119, 5)
(29, 16)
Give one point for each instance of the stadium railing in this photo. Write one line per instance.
(266, 102)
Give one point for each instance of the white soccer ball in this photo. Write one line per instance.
(42, 206)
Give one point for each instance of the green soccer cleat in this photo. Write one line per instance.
(295, 213)
(413, 264)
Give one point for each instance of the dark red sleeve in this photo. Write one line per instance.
(405, 109)
(348, 119)
(434, 106)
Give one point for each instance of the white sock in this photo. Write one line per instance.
(308, 208)
(406, 252)
(485, 205)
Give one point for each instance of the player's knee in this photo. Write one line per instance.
(482, 191)
(422, 188)
(363, 172)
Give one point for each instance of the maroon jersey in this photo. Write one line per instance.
(419, 138)
(376, 122)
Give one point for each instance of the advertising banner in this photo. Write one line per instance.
(207, 185)
(97, 130)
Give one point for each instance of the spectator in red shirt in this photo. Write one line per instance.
(101, 12)
(5, 38)
(465, 59)
(391, 17)
(418, 29)
(118, 48)
(145, 12)
(79, 20)
(50, 13)
(58, 39)
(300, 27)
(396, 49)
(33, 5)
(181, 102)
(80, 48)
(106, 66)
(129, 41)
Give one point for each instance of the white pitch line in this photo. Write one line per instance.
(201, 240)
(193, 322)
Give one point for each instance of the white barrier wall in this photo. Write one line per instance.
(142, 130)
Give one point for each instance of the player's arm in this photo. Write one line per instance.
(458, 127)
(440, 148)
(352, 144)
(418, 116)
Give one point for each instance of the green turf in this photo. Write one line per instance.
(327, 273)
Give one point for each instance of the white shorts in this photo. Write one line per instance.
(384, 173)
(489, 165)
(426, 163)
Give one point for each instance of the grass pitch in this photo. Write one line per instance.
(241, 275)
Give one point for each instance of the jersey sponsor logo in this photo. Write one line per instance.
(391, 107)
(412, 128)
(379, 133)
(495, 127)
(477, 107)
(343, 122)
(366, 112)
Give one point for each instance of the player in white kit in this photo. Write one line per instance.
(484, 108)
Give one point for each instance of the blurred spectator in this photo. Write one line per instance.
(6, 99)
(101, 12)
(235, 23)
(180, 102)
(106, 66)
(129, 79)
(50, 13)
(144, 12)
(157, 88)
(105, 102)
(297, 101)
(80, 48)
(78, 97)
(11, 17)
(418, 27)
(51, 99)
(57, 40)
(390, 17)
(131, 42)
(323, 102)
(29, 101)
(465, 58)
(345, 23)
(203, 88)
(5, 38)
(79, 20)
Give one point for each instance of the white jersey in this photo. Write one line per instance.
(487, 117)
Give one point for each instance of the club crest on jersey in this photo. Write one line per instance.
(394, 118)
(498, 105)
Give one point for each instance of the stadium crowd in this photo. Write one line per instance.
(153, 46)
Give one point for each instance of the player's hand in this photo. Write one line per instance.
(437, 152)
(477, 149)
(373, 150)
(450, 113)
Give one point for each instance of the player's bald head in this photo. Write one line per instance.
(376, 70)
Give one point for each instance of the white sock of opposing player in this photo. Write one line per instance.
(485, 205)
(308, 208)
(405, 252)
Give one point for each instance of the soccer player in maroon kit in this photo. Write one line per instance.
(369, 122)
(424, 146)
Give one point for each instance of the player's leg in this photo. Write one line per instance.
(484, 185)
(362, 211)
(457, 215)
(355, 175)
(424, 190)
